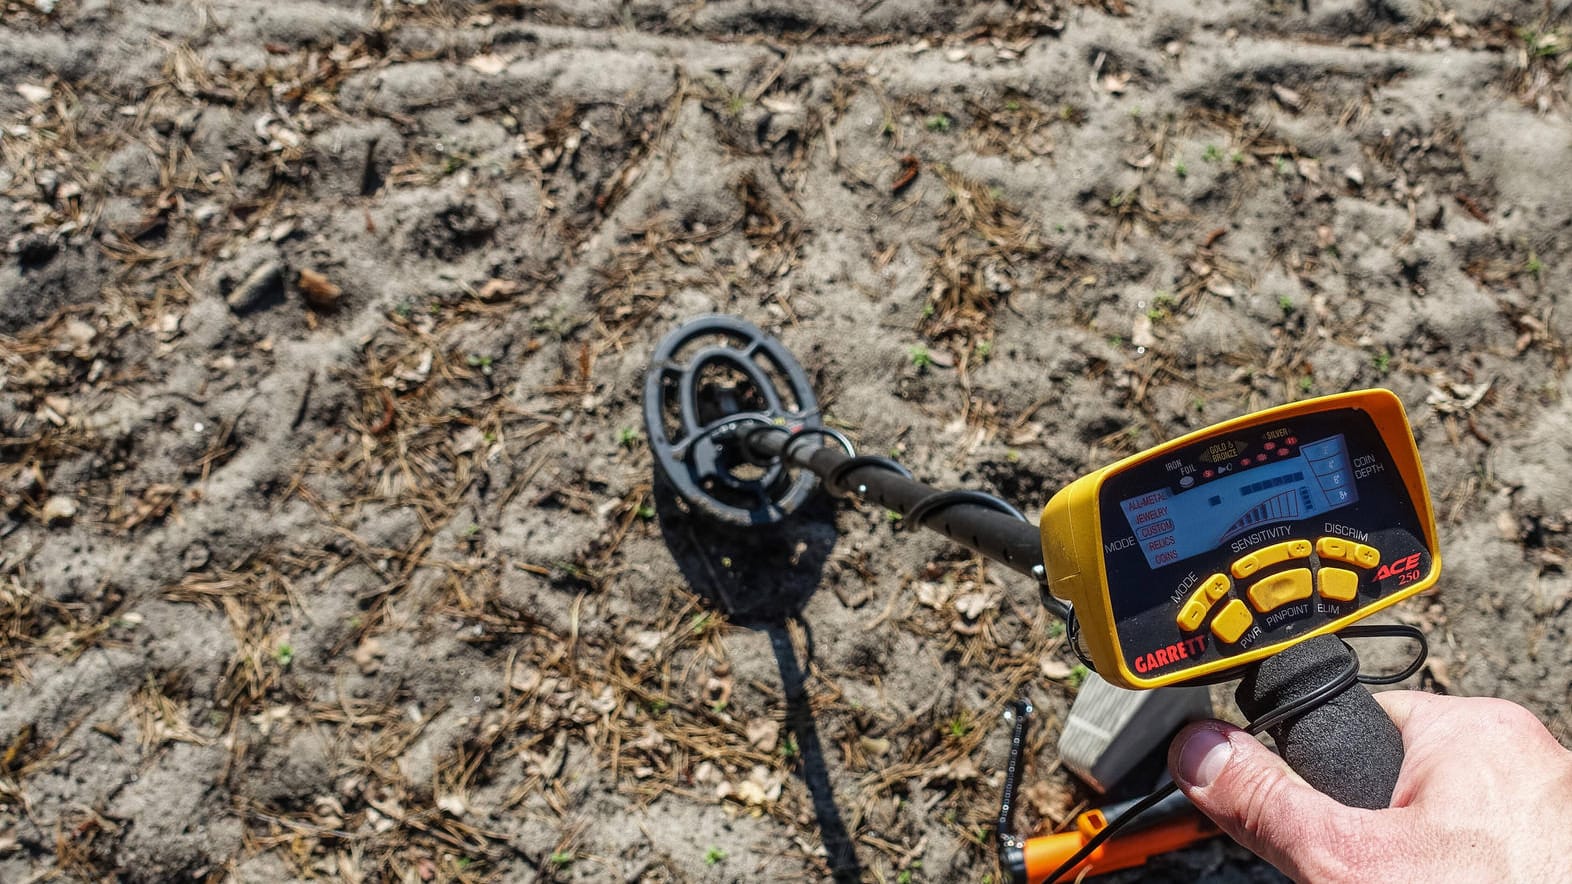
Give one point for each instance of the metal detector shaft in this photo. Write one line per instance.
(1010, 541)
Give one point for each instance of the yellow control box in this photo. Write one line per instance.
(1231, 543)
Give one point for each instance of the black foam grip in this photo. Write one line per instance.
(1348, 748)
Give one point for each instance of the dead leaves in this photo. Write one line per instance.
(319, 291)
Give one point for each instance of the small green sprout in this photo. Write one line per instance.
(1283, 166)
(919, 356)
(939, 123)
(562, 858)
(1180, 168)
(476, 360)
(1077, 676)
(1286, 304)
(892, 516)
(1306, 384)
(1382, 362)
(472, 530)
(735, 105)
(714, 855)
(1012, 105)
(905, 877)
(646, 512)
(1236, 157)
(1012, 456)
(1055, 629)
(1212, 154)
(959, 726)
(284, 654)
(983, 350)
(788, 747)
(1533, 265)
(627, 437)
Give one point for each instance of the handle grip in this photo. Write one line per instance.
(1347, 747)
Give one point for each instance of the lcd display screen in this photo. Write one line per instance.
(1172, 526)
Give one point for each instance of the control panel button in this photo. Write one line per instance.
(1201, 601)
(1270, 593)
(1231, 622)
(1216, 587)
(1338, 585)
(1269, 556)
(1343, 550)
(1193, 612)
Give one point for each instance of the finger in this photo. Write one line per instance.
(1400, 706)
(1253, 796)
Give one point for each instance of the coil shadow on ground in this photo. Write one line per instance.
(761, 579)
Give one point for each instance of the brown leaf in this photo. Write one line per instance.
(319, 292)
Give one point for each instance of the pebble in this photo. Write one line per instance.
(59, 509)
(264, 288)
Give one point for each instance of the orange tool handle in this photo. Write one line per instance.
(1047, 852)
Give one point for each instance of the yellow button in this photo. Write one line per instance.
(1271, 555)
(1280, 589)
(1231, 622)
(1338, 585)
(1216, 587)
(1193, 612)
(1338, 549)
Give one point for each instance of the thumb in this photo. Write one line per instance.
(1260, 802)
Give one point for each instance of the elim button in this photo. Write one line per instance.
(1341, 550)
(1231, 622)
(1273, 592)
(1269, 556)
(1338, 585)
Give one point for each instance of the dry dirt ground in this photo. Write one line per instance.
(328, 543)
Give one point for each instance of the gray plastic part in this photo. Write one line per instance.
(1110, 729)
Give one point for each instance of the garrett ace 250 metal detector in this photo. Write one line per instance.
(1241, 551)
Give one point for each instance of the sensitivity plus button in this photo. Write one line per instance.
(1341, 550)
(1278, 590)
(1338, 585)
(1269, 556)
(1231, 622)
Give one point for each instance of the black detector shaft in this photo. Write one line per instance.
(977, 521)
(735, 429)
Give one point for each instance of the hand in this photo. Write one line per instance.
(1485, 794)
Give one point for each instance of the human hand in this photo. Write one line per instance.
(1485, 794)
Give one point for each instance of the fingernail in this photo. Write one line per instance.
(1203, 756)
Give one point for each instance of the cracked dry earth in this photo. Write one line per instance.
(329, 547)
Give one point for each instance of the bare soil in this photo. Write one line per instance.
(329, 542)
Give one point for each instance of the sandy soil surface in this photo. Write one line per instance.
(328, 544)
